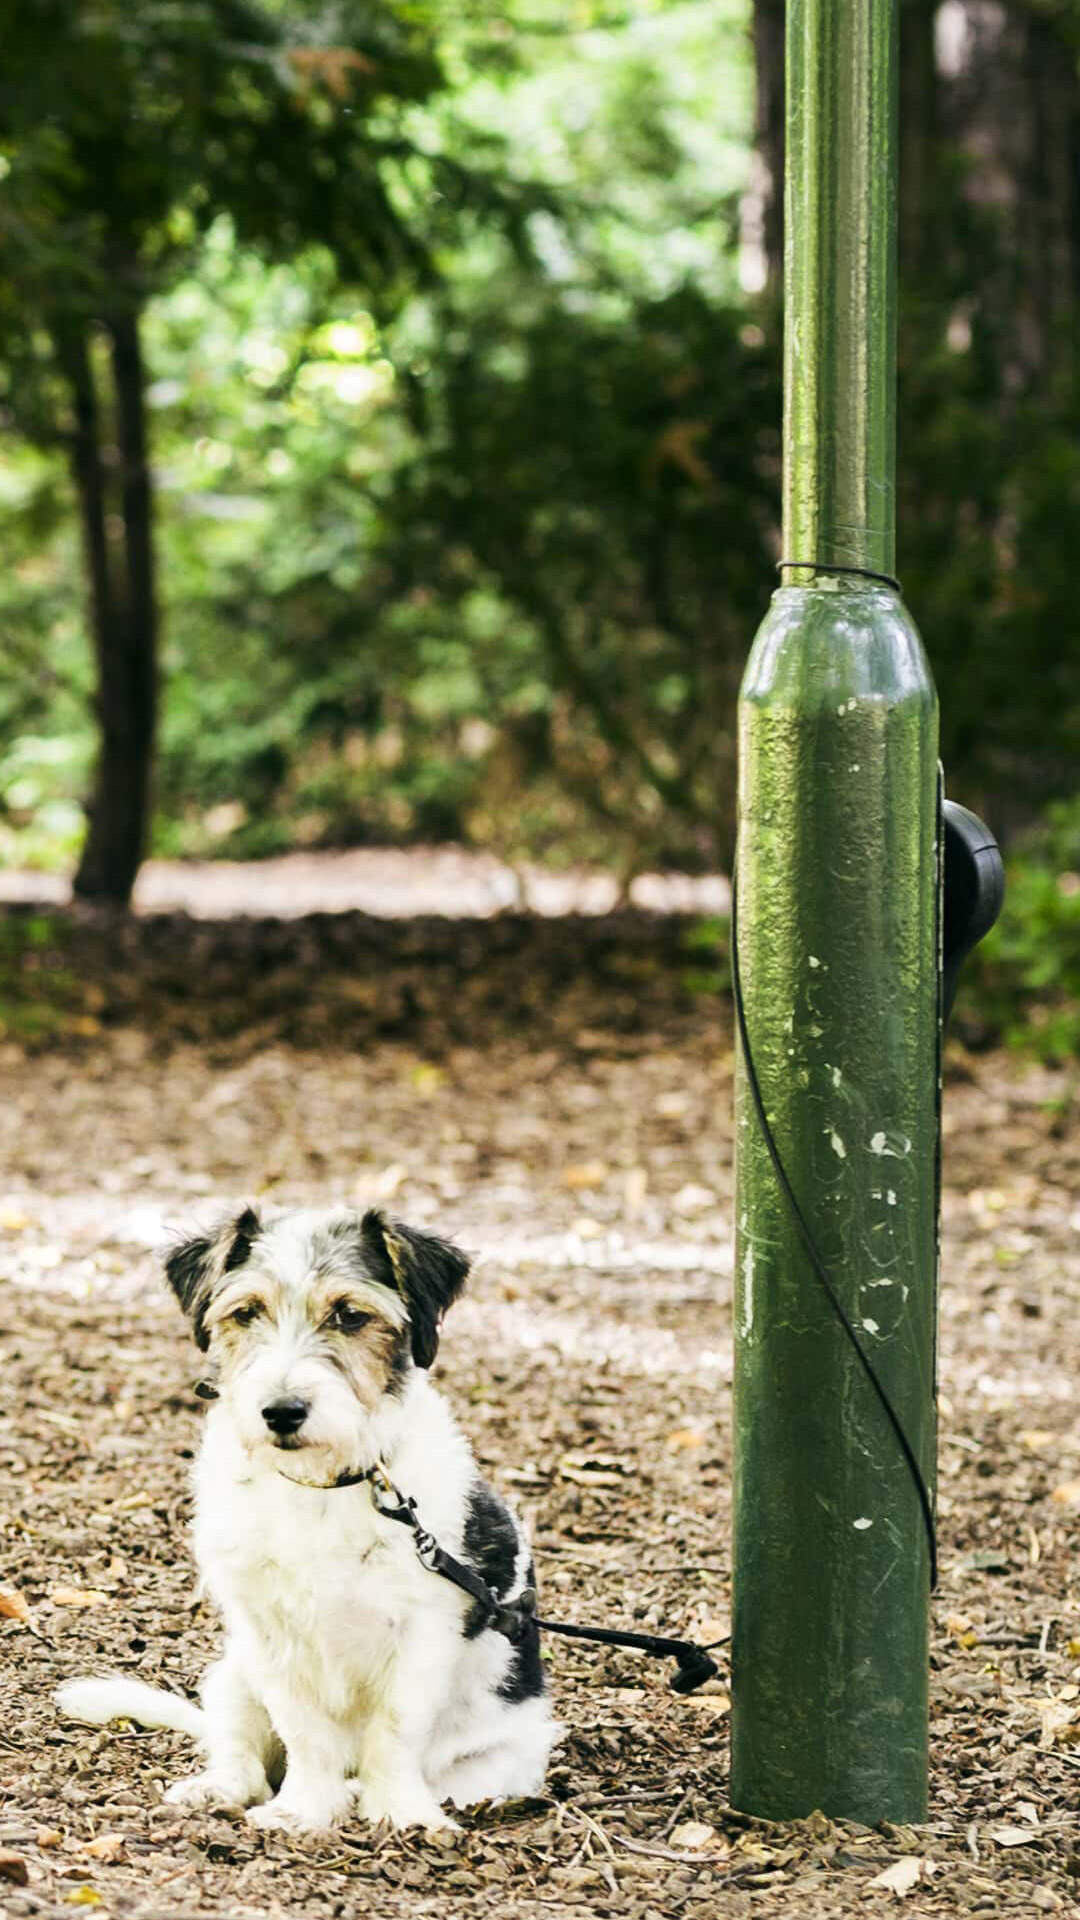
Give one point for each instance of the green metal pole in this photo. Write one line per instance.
(837, 883)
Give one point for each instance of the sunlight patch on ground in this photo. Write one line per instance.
(388, 882)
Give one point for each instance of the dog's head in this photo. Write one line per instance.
(313, 1320)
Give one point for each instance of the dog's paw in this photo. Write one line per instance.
(405, 1807)
(219, 1789)
(298, 1816)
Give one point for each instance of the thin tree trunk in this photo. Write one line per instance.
(1049, 192)
(127, 652)
(73, 354)
(768, 192)
(919, 215)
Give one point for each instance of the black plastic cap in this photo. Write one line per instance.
(974, 891)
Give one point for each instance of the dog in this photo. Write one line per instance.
(351, 1676)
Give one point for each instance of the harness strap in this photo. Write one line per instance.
(516, 1619)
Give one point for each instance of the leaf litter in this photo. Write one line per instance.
(479, 1067)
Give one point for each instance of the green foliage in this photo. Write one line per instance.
(708, 945)
(1024, 980)
(466, 444)
(41, 996)
(337, 665)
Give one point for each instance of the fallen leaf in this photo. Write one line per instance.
(13, 1219)
(903, 1875)
(683, 1439)
(693, 1199)
(634, 1191)
(107, 1846)
(65, 1421)
(595, 1470)
(1059, 1718)
(962, 1631)
(712, 1626)
(1068, 1494)
(427, 1079)
(988, 1199)
(14, 1868)
(1013, 1836)
(14, 1606)
(84, 1896)
(692, 1834)
(531, 1476)
(78, 1597)
(751, 1849)
(388, 1181)
(584, 1174)
(48, 1837)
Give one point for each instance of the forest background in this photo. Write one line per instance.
(389, 432)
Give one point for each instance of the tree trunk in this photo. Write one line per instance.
(126, 645)
(74, 357)
(919, 213)
(768, 190)
(1049, 192)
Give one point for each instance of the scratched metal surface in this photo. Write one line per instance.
(837, 883)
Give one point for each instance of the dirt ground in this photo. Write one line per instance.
(551, 1093)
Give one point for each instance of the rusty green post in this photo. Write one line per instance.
(836, 879)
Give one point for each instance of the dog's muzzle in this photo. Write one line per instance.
(286, 1417)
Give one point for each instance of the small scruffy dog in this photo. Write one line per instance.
(351, 1675)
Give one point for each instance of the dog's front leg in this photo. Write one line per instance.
(391, 1784)
(240, 1745)
(316, 1792)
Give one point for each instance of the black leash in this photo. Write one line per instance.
(516, 1619)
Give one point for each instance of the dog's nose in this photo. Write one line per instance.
(285, 1416)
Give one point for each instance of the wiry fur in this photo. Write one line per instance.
(350, 1674)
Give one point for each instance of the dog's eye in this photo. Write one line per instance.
(346, 1319)
(243, 1316)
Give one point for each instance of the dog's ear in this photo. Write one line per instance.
(427, 1272)
(192, 1267)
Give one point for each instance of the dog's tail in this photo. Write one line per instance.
(117, 1698)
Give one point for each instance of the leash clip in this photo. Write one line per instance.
(427, 1549)
(388, 1499)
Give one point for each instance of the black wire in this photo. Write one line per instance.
(815, 1259)
(830, 566)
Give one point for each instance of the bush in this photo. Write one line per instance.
(1024, 980)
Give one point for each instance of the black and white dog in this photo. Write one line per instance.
(351, 1675)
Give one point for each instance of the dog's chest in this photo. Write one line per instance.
(312, 1577)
